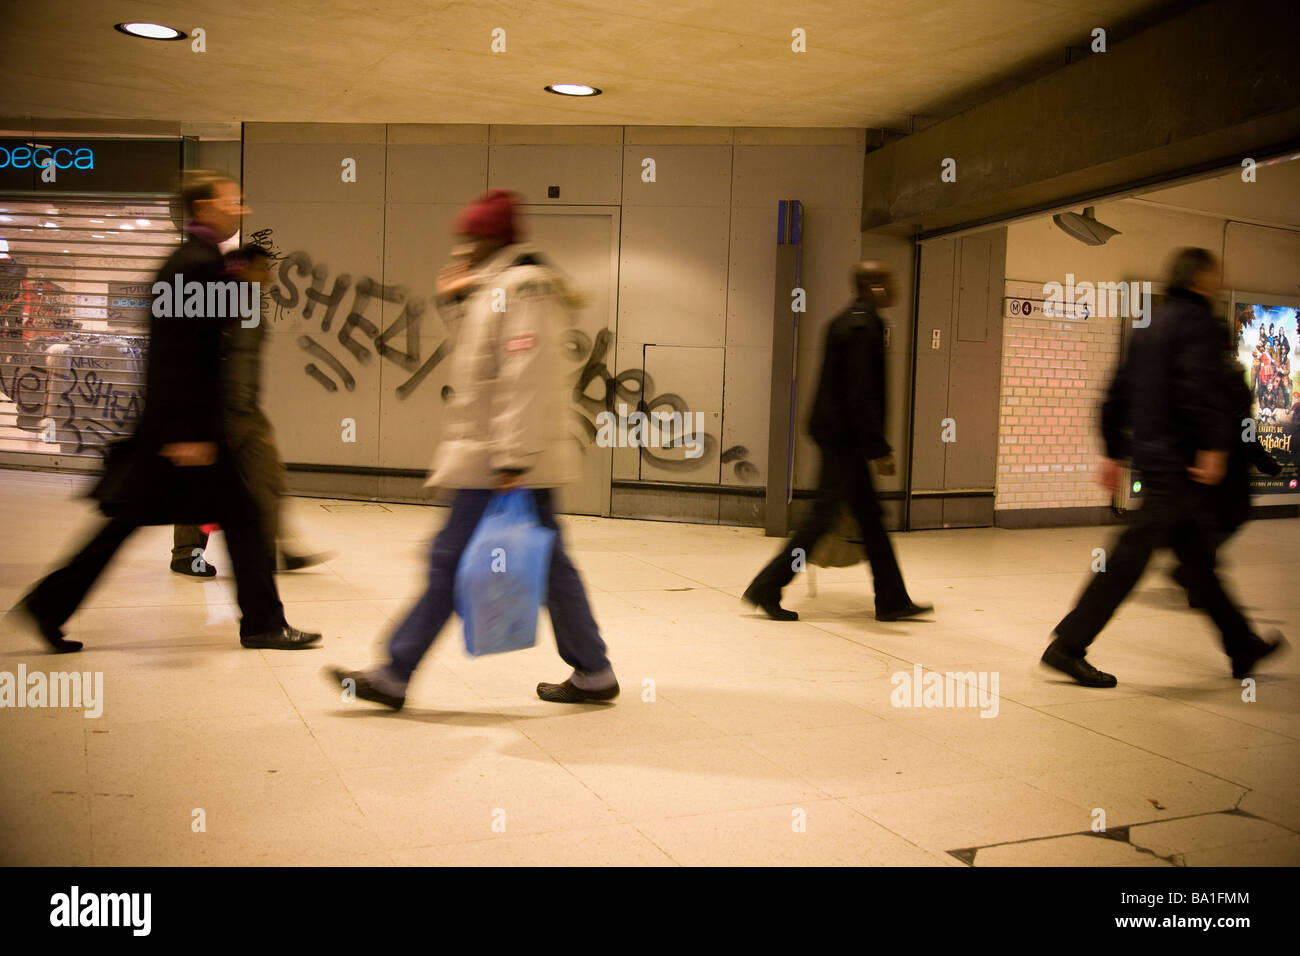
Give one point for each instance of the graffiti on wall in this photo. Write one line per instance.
(87, 409)
(303, 287)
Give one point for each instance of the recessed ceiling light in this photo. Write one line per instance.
(127, 226)
(572, 89)
(142, 222)
(149, 31)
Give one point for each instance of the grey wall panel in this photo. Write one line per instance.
(581, 242)
(443, 174)
(312, 173)
(831, 247)
(684, 176)
(585, 174)
(688, 380)
(629, 366)
(688, 290)
(806, 456)
(898, 254)
(934, 311)
(818, 175)
(752, 261)
(315, 133)
(975, 373)
(332, 242)
(745, 415)
(417, 242)
(973, 289)
(673, 275)
(221, 155)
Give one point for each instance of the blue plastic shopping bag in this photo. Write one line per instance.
(501, 579)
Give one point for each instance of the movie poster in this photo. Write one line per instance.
(1266, 337)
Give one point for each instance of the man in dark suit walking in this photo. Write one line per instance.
(179, 468)
(848, 424)
(1166, 410)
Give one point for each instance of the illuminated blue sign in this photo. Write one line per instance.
(39, 157)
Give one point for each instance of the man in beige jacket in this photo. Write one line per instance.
(505, 429)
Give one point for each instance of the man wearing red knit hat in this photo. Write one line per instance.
(505, 429)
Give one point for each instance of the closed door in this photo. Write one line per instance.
(582, 242)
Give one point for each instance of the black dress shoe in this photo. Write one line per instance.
(296, 562)
(769, 602)
(26, 616)
(1242, 666)
(567, 693)
(186, 566)
(365, 688)
(1076, 667)
(912, 610)
(283, 638)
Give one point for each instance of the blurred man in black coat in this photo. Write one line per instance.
(1167, 411)
(1231, 498)
(848, 424)
(177, 467)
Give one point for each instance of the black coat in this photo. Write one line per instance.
(1167, 399)
(182, 403)
(849, 408)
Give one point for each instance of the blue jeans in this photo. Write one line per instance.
(576, 636)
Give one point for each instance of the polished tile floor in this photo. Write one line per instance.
(736, 740)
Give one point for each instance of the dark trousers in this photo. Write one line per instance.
(252, 444)
(845, 477)
(576, 636)
(56, 597)
(1176, 512)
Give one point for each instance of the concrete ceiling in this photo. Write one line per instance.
(1273, 197)
(869, 63)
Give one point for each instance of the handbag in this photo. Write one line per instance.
(501, 579)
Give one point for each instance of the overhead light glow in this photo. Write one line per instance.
(572, 89)
(149, 31)
(142, 222)
(127, 226)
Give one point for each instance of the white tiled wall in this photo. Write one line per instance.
(1054, 377)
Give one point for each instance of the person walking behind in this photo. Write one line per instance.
(249, 434)
(1166, 410)
(177, 466)
(848, 425)
(504, 429)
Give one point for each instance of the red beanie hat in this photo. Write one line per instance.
(492, 215)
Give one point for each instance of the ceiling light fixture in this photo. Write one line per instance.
(1085, 228)
(149, 31)
(572, 89)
